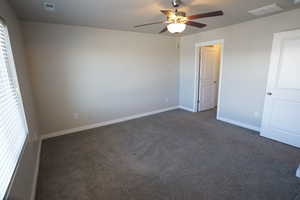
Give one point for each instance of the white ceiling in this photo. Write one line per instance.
(124, 14)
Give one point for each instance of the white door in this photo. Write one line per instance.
(208, 82)
(281, 117)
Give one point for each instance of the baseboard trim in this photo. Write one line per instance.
(238, 123)
(36, 171)
(105, 123)
(186, 108)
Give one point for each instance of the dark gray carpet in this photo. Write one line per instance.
(175, 155)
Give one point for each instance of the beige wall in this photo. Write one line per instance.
(98, 74)
(23, 182)
(247, 51)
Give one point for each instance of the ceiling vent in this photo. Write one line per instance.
(266, 10)
(48, 6)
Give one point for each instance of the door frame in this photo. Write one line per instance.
(197, 71)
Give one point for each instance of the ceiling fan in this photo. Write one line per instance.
(177, 20)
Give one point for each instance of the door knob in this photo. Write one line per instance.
(269, 93)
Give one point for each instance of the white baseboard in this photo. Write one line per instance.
(36, 171)
(186, 108)
(238, 123)
(105, 123)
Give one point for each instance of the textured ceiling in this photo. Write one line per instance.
(124, 14)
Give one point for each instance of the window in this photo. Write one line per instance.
(13, 129)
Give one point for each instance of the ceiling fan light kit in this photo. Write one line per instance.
(176, 28)
(177, 20)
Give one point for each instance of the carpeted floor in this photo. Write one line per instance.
(175, 155)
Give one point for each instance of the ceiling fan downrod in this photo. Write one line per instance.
(176, 3)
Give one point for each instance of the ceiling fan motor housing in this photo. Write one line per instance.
(176, 3)
(178, 18)
(180, 14)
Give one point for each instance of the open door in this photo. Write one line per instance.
(209, 76)
(281, 117)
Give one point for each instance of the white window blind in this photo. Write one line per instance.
(13, 130)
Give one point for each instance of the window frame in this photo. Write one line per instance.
(12, 73)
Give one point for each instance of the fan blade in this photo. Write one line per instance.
(195, 24)
(164, 30)
(203, 15)
(166, 12)
(148, 24)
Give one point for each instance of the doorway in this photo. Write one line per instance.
(209, 59)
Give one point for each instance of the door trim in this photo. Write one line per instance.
(197, 71)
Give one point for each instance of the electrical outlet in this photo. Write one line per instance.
(75, 116)
(298, 172)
